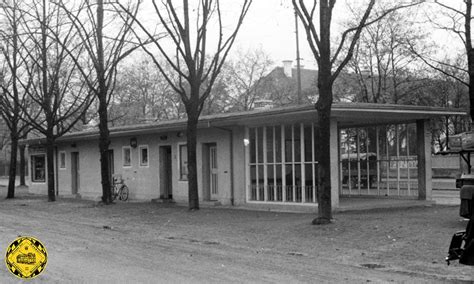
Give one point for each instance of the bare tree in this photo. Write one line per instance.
(13, 100)
(195, 58)
(106, 44)
(245, 77)
(55, 91)
(455, 19)
(330, 64)
(382, 60)
(142, 94)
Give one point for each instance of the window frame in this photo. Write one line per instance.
(33, 169)
(180, 167)
(62, 160)
(123, 157)
(140, 157)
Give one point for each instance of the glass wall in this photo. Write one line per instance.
(379, 160)
(282, 163)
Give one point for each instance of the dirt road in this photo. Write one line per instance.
(155, 243)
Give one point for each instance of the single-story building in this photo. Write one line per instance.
(262, 157)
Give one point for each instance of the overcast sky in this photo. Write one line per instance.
(270, 24)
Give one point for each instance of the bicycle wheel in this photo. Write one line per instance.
(114, 193)
(123, 193)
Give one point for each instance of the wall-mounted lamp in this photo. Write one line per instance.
(180, 134)
(163, 137)
(133, 142)
(246, 142)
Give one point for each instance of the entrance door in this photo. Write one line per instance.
(166, 182)
(213, 172)
(74, 172)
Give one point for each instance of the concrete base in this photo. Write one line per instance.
(161, 200)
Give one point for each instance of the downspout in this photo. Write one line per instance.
(231, 168)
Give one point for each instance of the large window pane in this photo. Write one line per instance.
(278, 143)
(253, 182)
(260, 145)
(402, 132)
(260, 183)
(270, 144)
(270, 183)
(297, 142)
(308, 145)
(412, 147)
(288, 144)
(252, 146)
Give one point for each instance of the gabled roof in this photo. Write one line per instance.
(347, 115)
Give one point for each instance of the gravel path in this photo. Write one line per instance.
(158, 243)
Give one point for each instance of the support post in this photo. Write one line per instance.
(424, 159)
(334, 154)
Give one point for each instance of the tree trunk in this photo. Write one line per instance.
(50, 167)
(12, 169)
(191, 133)
(470, 58)
(104, 150)
(22, 165)
(323, 108)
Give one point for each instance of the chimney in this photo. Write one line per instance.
(287, 64)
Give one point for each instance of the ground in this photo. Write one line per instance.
(155, 243)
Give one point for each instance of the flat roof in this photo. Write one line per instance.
(346, 114)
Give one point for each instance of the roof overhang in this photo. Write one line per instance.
(346, 114)
(354, 115)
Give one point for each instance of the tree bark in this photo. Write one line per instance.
(470, 62)
(104, 150)
(323, 108)
(104, 139)
(191, 133)
(22, 165)
(12, 169)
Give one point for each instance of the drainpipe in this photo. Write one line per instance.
(231, 169)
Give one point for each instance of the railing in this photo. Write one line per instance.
(280, 193)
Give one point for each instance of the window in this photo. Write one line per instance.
(143, 151)
(183, 162)
(62, 160)
(379, 160)
(127, 157)
(282, 165)
(38, 168)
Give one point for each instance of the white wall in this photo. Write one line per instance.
(143, 182)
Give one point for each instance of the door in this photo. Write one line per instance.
(213, 172)
(74, 172)
(165, 172)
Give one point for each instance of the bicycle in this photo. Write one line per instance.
(119, 188)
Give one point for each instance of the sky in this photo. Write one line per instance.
(270, 25)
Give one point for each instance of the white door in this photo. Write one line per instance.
(213, 172)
